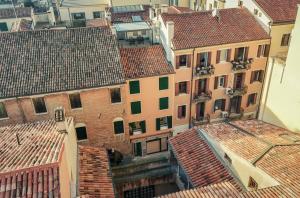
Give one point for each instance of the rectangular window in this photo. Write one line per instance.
(81, 133)
(251, 99)
(163, 83)
(285, 39)
(137, 127)
(240, 3)
(163, 103)
(163, 123)
(263, 51)
(119, 127)
(181, 112)
(255, 11)
(3, 112)
(241, 54)
(221, 81)
(98, 14)
(115, 95)
(134, 87)
(182, 87)
(39, 105)
(78, 16)
(220, 104)
(223, 55)
(257, 76)
(135, 107)
(183, 60)
(204, 62)
(157, 145)
(75, 101)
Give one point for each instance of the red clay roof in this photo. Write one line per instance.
(144, 62)
(94, 178)
(126, 17)
(200, 29)
(198, 160)
(280, 11)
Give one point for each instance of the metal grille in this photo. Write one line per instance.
(142, 192)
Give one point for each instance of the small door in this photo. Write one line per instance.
(235, 104)
(200, 111)
(138, 149)
(238, 81)
(202, 85)
(3, 27)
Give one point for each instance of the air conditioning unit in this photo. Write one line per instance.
(224, 114)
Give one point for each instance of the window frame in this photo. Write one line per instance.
(180, 84)
(219, 81)
(111, 98)
(226, 55)
(75, 108)
(252, 99)
(97, 12)
(181, 117)
(219, 102)
(83, 126)
(34, 106)
(186, 60)
(131, 86)
(283, 40)
(114, 126)
(139, 103)
(163, 103)
(161, 82)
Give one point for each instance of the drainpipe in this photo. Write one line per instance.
(191, 90)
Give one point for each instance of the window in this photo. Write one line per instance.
(137, 127)
(135, 107)
(255, 11)
(157, 145)
(215, 4)
(98, 14)
(183, 60)
(164, 123)
(251, 99)
(118, 127)
(81, 133)
(252, 183)
(223, 55)
(78, 16)
(182, 87)
(3, 27)
(3, 113)
(285, 39)
(134, 87)
(39, 105)
(75, 101)
(220, 82)
(257, 76)
(204, 59)
(115, 95)
(163, 83)
(181, 112)
(240, 3)
(220, 104)
(163, 103)
(263, 50)
(241, 54)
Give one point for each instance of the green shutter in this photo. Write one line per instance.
(143, 126)
(163, 83)
(134, 87)
(169, 118)
(157, 124)
(131, 127)
(135, 107)
(163, 103)
(119, 128)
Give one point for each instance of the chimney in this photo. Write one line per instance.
(216, 13)
(60, 119)
(170, 30)
(113, 30)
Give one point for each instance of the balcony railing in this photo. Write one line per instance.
(241, 65)
(202, 97)
(204, 70)
(201, 120)
(231, 92)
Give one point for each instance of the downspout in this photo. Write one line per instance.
(191, 90)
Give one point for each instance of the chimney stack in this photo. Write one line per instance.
(216, 13)
(60, 119)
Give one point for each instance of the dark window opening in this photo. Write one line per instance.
(252, 99)
(115, 95)
(119, 127)
(75, 101)
(134, 87)
(183, 60)
(137, 127)
(220, 104)
(228, 158)
(39, 105)
(135, 107)
(81, 133)
(285, 39)
(181, 111)
(252, 183)
(3, 112)
(182, 87)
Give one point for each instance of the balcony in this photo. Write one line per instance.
(237, 115)
(204, 71)
(202, 97)
(231, 92)
(201, 120)
(241, 65)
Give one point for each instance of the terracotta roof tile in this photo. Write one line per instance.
(200, 29)
(144, 62)
(126, 17)
(280, 10)
(58, 60)
(198, 160)
(7, 13)
(94, 178)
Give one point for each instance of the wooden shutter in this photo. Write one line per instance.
(188, 87)
(216, 83)
(198, 59)
(267, 50)
(157, 124)
(218, 56)
(259, 51)
(177, 62)
(143, 126)
(209, 58)
(197, 110)
(236, 53)
(226, 80)
(189, 60)
(176, 89)
(163, 83)
(248, 101)
(252, 77)
(261, 75)
(228, 55)
(196, 86)
(246, 53)
(179, 113)
(169, 118)
(135, 107)
(119, 128)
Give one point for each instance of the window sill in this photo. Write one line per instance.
(182, 94)
(77, 109)
(183, 67)
(41, 113)
(7, 118)
(116, 103)
(85, 140)
(119, 134)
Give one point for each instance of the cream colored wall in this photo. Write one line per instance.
(66, 12)
(149, 96)
(276, 34)
(64, 177)
(9, 22)
(281, 105)
(138, 2)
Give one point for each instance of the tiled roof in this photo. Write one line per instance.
(94, 178)
(200, 29)
(30, 168)
(226, 189)
(7, 13)
(280, 11)
(198, 160)
(45, 61)
(126, 17)
(144, 62)
(21, 25)
(96, 23)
